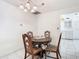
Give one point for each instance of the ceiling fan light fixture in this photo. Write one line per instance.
(29, 6)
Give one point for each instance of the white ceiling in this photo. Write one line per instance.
(50, 5)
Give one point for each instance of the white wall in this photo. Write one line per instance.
(51, 20)
(13, 22)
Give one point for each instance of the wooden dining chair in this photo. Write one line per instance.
(30, 33)
(29, 49)
(47, 34)
(54, 49)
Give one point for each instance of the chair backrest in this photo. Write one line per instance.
(59, 40)
(30, 33)
(27, 43)
(47, 34)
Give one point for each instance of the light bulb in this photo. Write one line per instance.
(34, 7)
(32, 10)
(21, 6)
(27, 4)
(25, 10)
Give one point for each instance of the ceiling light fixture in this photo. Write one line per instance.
(29, 6)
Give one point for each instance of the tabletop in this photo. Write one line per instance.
(41, 40)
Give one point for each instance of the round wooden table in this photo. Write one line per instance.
(41, 40)
(38, 42)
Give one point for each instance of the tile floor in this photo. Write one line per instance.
(69, 50)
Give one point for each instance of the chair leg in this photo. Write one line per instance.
(25, 56)
(57, 55)
(32, 56)
(45, 54)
